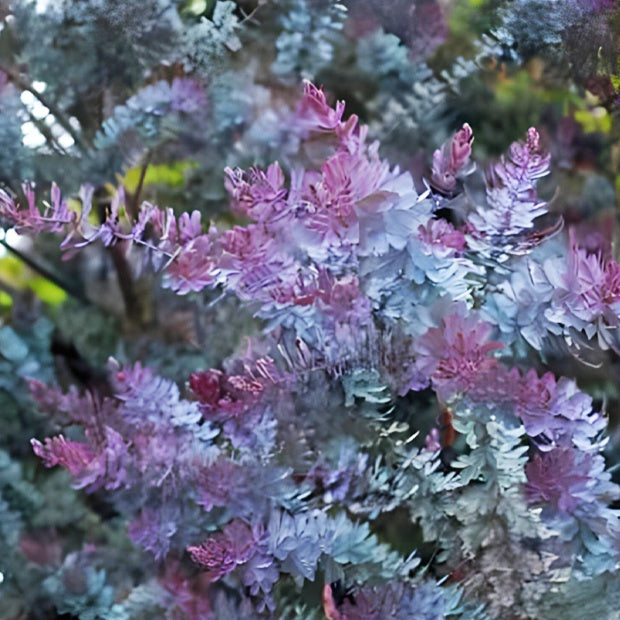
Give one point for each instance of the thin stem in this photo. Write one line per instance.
(247, 17)
(157, 250)
(614, 468)
(135, 203)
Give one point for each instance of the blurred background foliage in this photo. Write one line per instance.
(158, 96)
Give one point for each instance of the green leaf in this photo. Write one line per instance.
(48, 292)
(595, 120)
(172, 175)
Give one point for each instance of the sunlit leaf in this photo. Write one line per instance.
(172, 175)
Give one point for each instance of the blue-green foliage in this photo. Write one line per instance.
(14, 162)
(531, 26)
(206, 42)
(408, 99)
(24, 354)
(310, 31)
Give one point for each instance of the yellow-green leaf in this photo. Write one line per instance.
(172, 175)
(594, 120)
(18, 275)
(47, 291)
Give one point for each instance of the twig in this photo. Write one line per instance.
(47, 134)
(135, 203)
(247, 17)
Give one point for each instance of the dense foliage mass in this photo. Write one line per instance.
(276, 349)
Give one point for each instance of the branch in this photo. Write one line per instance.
(46, 273)
(133, 305)
(47, 134)
(17, 79)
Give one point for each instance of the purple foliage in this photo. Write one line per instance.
(75, 457)
(559, 478)
(555, 411)
(511, 190)
(451, 158)
(314, 115)
(218, 482)
(441, 238)
(91, 466)
(222, 553)
(359, 280)
(597, 5)
(587, 288)
(454, 356)
(152, 531)
(53, 218)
